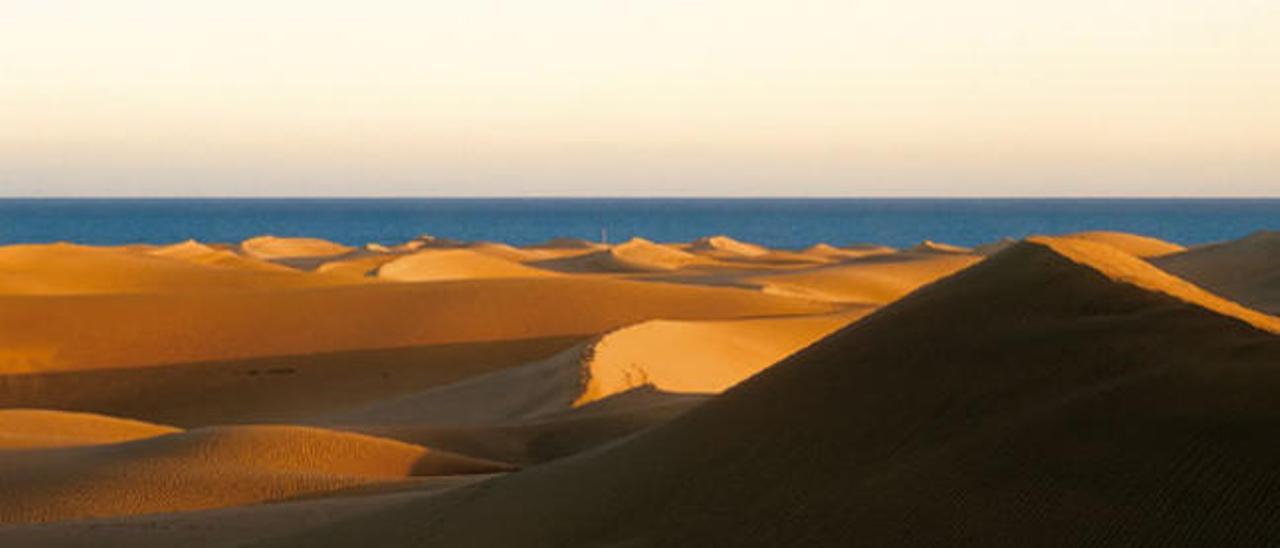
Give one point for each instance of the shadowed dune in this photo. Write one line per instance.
(60, 333)
(1060, 393)
(877, 279)
(664, 355)
(1245, 270)
(43, 428)
(223, 527)
(271, 389)
(205, 468)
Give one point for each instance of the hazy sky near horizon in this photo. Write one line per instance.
(660, 97)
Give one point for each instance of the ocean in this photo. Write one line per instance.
(783, 223)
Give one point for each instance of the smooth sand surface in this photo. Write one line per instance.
(70, 332)
(1095, 401)
(635, 255)
(198, 253)
(455, 264)
(270, 389)
(297, 392)
(42, 428)
(68, 269)
(1133, 244)
(1243, 270)
(930, 246)
(207, 468)
(272, 247)
(704, 357)
(877, 279)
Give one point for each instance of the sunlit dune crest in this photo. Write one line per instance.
(1133, 244)
(454, 264)
(273, 247)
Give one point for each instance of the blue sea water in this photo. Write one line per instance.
(785, 223)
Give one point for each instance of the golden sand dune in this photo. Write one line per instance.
(454, 264)
(1093, 401)
(1133, 244)
(877, 279)
(829, 251)
(67, 269)
(356, 266)
(198, 253)
(635, 255)
(59, 333)
(207, 468)
(665, 355)
(272, 247)
(930, 246)
(1245, 270)
(722, 246)
(36, 428)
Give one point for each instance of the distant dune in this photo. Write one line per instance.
(454, 264)
(1244, 270)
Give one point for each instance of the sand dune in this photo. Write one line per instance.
(221, 527)
(1133, 244)
(664, 355)
(272, 247)
(454, 264)
(60, 333)
(198, 253)
(270, 389)
(1245, 270)
(930, 246)
(1095, 401)
(829, 251)
(41, 428)
(207, 468)
(877, 279)
(67, 269)
(722, 246)
(636, 255)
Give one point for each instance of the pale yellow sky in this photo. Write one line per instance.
(660, 97)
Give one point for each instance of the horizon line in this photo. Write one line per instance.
(647, 197)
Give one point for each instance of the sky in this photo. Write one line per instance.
(640, 98)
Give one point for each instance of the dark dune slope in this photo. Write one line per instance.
(1059, 393)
